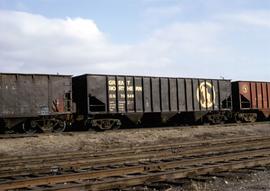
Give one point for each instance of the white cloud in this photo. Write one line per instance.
(34, 43)
(259, 18)
(167, 11)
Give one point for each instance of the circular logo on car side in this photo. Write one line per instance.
(206, 94)
(245, 89)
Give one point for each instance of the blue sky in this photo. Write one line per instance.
(200, 38)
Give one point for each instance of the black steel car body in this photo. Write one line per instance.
(143, 97)
(35, 98)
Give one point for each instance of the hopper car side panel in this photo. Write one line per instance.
(173, 101)
(252, 97)
(80, 95)
(147, 94)
(138, 95)
(33, 95)
(126, 95)
(130, 94)
(165, 94)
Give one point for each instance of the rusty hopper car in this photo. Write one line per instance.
(251, 100)
(105, 101)
(34, 102)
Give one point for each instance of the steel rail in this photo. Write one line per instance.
(158, 177)
(22, 169)
(147, 168)
(111, 152)
(124, 129)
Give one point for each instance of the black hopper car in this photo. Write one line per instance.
(32, 102)
(53, 103)
(106, 101)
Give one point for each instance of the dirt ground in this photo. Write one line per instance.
(257, 180)
(92, 141)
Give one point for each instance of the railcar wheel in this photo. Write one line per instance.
(253, 119)
(117, 124)
(60, 126)
(106, 124)
(214, 119)
(237, 119)
(9, 131)
(29, 128)
(47, 126)
(88, 125)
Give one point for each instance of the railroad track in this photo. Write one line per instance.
(124, 167)
(16, 135)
